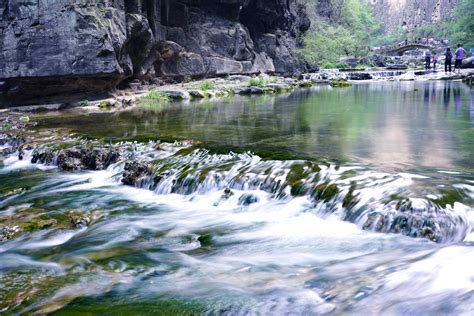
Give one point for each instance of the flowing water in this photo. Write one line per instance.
(355, 200)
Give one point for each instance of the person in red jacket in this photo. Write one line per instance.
(434, 59)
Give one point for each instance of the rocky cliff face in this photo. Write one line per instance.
(410, 14)
(55, 50)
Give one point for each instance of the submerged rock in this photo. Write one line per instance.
(247, 199)
(227, 194)
(32, 219)
(429, 221)
(205, 239)
(9, 232)
(79, 220)
(340, 83)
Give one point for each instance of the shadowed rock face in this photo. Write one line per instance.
(55, 50)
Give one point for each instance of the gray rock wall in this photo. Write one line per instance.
(56, 50)
(411, 14)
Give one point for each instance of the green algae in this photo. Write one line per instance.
(205, 239)
(32, 219)
(325, 192)
(449, 197)
(340, 83)
(109, 305)
(296, 174)
(350, 200)
(186, 151)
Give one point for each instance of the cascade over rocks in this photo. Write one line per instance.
(56, 51)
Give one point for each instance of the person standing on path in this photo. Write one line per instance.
(427, 60)
(459, 55)
(448, 60)
(434, 59)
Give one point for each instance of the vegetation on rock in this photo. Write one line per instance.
(347, 32)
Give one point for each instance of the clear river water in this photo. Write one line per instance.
(230, 226)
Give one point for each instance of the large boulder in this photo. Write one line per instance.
(59, 49)
(468, 62)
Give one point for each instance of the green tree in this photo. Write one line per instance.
(346, 32)
(462, 25)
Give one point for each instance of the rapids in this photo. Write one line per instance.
(239, 223)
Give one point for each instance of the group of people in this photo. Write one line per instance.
(459, 54)
(460, 51)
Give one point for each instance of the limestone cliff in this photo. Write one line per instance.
(410, 14)
(55, 50)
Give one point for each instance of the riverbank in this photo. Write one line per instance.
(225, 87)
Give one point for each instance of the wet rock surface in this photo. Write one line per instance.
(13, 127)
(94, 46)
(77, 158)
(430, 221)
(31, 219)
(135, 172)
(247, 199)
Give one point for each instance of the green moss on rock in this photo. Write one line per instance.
(325, 192)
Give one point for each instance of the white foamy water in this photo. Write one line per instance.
(184, 238)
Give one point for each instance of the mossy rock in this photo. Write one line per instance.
(325, 192)
(186, 151)
(299, 189)
(30, 220)
(350, 200)
(306, 84)
(296, 174)
(449, 197)
(205, 239)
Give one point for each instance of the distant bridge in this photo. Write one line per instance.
(399, 50)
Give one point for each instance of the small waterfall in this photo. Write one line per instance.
(386, 74)
(372, 200)
(335, 74)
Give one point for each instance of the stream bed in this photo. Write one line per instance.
(325, 201)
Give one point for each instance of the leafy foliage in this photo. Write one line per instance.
(207, 85)
(258, 82)
(462, 25)
(156, 95)
(346, 33)
(351, 28)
